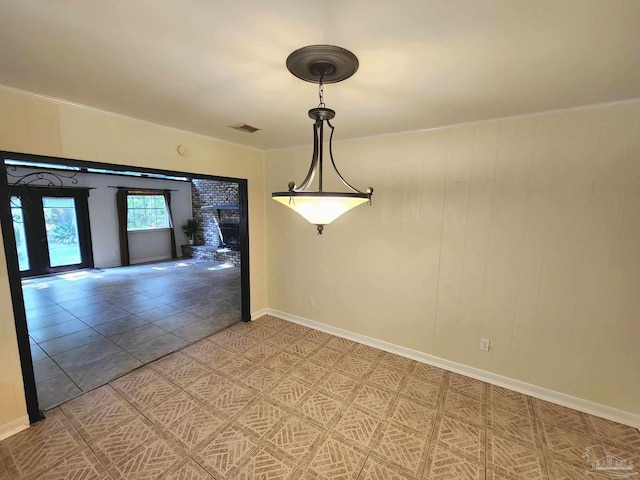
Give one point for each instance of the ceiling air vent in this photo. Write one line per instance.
(243, 127)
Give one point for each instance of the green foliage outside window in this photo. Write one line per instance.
(65, 233)
(146, 212)
(60, 223)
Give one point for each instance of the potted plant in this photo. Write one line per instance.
(190, 229)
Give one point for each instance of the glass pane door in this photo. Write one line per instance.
(51, 228)
(62, 231)
(17, 215)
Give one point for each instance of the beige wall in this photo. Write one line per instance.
(523, 231)
(30, 124)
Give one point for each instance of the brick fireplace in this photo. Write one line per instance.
(216, 207)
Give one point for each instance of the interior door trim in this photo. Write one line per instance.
(19, 313)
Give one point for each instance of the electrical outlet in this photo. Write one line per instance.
(485, 344)
(312, 302)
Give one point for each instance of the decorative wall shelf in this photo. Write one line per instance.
(219, 208)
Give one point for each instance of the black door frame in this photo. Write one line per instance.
(13, 271)
(34, 222)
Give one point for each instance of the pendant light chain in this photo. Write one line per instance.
(321, 93)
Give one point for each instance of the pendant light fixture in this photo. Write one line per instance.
(321, 64)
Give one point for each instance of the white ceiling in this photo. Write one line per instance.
(201, 65)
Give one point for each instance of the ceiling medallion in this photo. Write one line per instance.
(322, 64)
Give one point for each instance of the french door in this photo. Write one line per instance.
(52, 230)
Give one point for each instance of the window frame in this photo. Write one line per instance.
(132, 197)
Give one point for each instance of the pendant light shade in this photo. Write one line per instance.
(320, 208)
(322, 64)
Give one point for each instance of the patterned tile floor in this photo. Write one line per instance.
(89, 327)
(273, 400)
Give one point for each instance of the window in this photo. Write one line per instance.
(21, 238)
(146, 212)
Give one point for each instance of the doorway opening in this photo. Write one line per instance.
(72, 300)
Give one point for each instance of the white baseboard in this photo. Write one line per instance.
(14, 427)
(580, 404)
(108, 265)
(260, 313)
(150, 259)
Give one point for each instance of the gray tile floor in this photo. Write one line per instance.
(89, 327)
